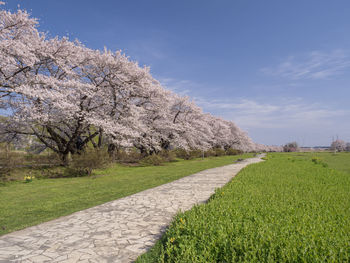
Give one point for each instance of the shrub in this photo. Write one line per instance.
(47, 158)
(209, 153)
(8, 161)
(132, 156)
(219, 152)
(57, 172)
(231, 151)
(195, 154)
(188, 155)
(153, 159)
(84, 163)
(168, 156)
(182, 154)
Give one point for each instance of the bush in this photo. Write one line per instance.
(46, 158)
(188, 155)
(168, 156)
(132, 156)
(231, 151)
(219, 152)
(153, 159)
(8, 161)
(84, 163)
(209, 153)
(182, 154)
(195, 154)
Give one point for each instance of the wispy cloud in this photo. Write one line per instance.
(181, 87)
(292, 113)
(314, 65)
(272, 120)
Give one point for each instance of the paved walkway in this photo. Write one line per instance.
(117, 231)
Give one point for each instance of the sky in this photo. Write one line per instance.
(279, 69)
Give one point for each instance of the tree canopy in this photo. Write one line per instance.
(67, 95)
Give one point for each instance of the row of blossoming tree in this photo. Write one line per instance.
(67, 95)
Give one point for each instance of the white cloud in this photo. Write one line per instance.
(288, 113)
(275, 120)
(282, 121)
(314, 65)
(181, 87)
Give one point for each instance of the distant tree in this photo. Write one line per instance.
(347, 147)
(338, 145)
(291, 147)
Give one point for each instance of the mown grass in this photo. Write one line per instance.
(26, 204)
(287, 209)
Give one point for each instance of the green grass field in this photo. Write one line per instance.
(339, 161)
(287, 209)
(26, 204)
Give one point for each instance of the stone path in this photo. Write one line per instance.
(117, 231)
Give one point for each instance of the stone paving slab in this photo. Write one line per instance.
(117, 231)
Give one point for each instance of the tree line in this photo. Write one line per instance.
(67, 95)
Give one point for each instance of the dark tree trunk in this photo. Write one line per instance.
(100, 138)
(64, 158)
(112, 150)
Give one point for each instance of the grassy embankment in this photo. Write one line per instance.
(26, 204)
(287, 209)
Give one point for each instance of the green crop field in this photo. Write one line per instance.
(26, 204)
(291, 208)
(339, 161)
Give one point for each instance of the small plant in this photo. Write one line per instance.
(28, 178)
(317, 160)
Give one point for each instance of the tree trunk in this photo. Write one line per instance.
(64, 159)
(100, 138)
(112, 149)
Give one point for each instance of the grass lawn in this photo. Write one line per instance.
(287, 209)
(26, 204)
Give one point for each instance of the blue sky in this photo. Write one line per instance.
(279, 69)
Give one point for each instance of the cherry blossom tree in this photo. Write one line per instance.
(291, 147)
(67, 95)
(338, 145)
(347, 147)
